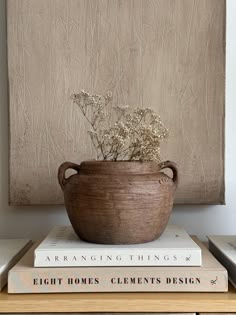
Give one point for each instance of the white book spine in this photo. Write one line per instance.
(134, 257)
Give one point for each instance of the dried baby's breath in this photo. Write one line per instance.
(136, 134)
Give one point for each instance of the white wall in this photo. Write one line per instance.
(35, 221)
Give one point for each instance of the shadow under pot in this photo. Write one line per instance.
(124, 202)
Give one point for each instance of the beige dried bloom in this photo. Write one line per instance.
(136, 134)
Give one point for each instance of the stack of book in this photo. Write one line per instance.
(62, 263)
(223, 247)
(11, 250)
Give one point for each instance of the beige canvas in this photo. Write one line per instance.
(165, 54)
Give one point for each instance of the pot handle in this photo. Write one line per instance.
(173, 167)
(62, 170)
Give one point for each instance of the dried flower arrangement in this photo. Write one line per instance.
(134, 134)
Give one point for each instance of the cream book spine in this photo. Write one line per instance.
(63, 248)
(210, 277)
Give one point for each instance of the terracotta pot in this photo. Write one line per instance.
(118, 202)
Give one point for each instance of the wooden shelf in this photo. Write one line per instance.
(118, 302)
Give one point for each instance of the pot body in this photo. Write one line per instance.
(118, 202)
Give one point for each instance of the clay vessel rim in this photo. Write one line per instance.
(119, 167)
(119, 162)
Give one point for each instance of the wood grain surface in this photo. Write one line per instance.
(111, 313)
(115, 313)
(168, 55)
(118, 302)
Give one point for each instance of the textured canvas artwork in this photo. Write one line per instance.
(168, 55)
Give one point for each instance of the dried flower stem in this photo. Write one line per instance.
(135, 135)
